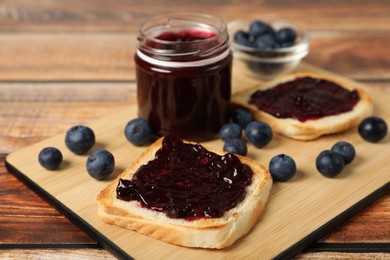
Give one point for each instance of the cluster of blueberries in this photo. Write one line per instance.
(282, 167)
(256, 132)
(80, 139)
(330, 163)
(261, 35)
(101, 163)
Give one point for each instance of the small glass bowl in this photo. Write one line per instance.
(268, 63)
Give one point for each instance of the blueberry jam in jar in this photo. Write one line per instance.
(187, 181)
(183, 71)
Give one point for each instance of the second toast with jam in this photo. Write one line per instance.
(306, 105)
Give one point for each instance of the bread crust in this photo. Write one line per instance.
(203, 233)
(310, 129)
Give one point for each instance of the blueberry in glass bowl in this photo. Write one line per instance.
(266, 49)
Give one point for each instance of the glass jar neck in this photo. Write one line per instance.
(183, 37)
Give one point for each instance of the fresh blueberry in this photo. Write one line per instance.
(241, 117)
(282, 167)
(373, 129)
(329, 163)
(230, 131)
(243, 38)
(79, 139)
(50, 158)
(258, 133)
(257, 28)
(346, 150)
(100, 164)
(138, 131)
(285, 35)
(236, 146)
(266, 41)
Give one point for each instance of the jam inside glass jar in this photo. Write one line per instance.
(183, 71)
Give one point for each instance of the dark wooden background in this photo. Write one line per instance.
(69, 62)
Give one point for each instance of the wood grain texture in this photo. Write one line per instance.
(370, 225)
(353, 55)
(50, 254)
(78, 56)
(70, 56)
(26, 219)
(76, 40)
(340, 256)
(34, 111)
(119, 15)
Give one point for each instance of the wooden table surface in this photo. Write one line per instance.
(70, 62)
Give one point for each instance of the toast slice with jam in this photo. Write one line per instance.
(185, 194)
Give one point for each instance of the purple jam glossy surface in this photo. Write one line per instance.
(189, 102)
(187, 181)
(305, 99)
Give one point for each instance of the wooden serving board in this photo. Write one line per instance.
(298, 213)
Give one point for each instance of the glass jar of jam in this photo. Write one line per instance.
(183, 71)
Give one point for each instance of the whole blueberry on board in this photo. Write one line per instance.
(230, 131)
(346, 150)
(100, 164)
(257, 28)
(329, 163)
(236, 146)
(50, 158)
(258, 133)
(241, 117)
(282, 167)
(373, 129)
(138, 131)
(79, 139)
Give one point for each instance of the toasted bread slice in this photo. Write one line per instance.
(309, 129)
(204, 232)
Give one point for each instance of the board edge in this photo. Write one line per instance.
(300, 246)
(69, 214)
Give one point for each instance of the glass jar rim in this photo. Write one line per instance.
(154, 26)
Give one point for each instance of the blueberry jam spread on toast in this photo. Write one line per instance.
(304, 99)
(188, 181)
